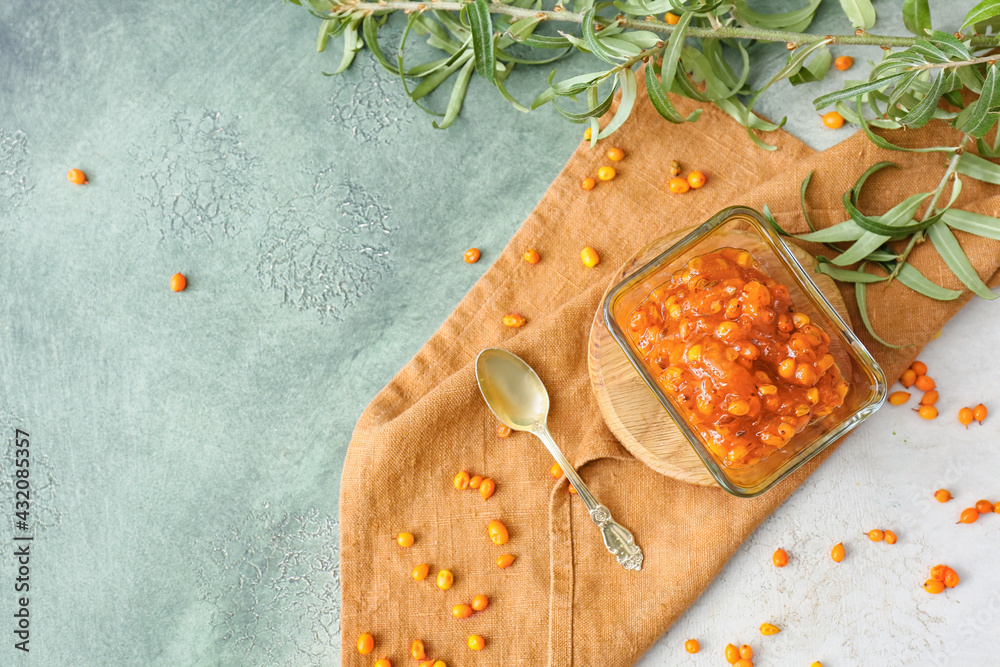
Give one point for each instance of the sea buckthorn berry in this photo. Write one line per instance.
(486, 488)
(480, 602)
(383, 662)
(768, 629)
(366, 643)
(472, 255)
(929, 398)
(843, 63)
(950, 579)
(780, 558)
(919, 367)
(461, 481)
(587, 134)
(615, 154)
(980, 413)
(439, 663)
(503, 431)
(942, 495)
(178, 282)
(837, 553)
(692, 646)
(671, 19)
(475, 481)
(571, 489)
(76, 177)
(555, 471)
(732, 654)
(589, 257)
(476, 643)
(833, 120)
(505, 561)
(969, 515)
(405, 540)
(696, 179)
(679, 185)
(899, 397)
(498, 533)
(876, 535)
(744, 663)
(588, 183)
(924, 383)
(890, 537)
(965, 416)
(996, 508)
(427, 663)
(531, 256)
(816, 664)
(908, 378)
(420, 572)
(937, 572)
(513, 321)
(927, 411)
(746, 652)
(606, 173)
(417, 650)
(984, 506)
(445, 579)
(933, 586)
(461, 611)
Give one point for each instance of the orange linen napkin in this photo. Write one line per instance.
(565, 600)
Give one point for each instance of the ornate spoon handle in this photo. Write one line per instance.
(617, 538)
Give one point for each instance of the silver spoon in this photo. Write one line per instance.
(517, 397)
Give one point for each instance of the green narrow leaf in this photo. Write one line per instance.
(861, 295)
(629, 87)
(921, 114)
(876, 227)
(546, 42)
(912, 278)
(595, 110)
(860, 183)
(794, 21)
(774, 223)
(482, 39)
(802, 200)
(888, 145)
(860, 13)
(457, 95)
(814, 70)
(369, 27)
(976, 167)
(658, 89)
(842, 231)
(430, 83)
(855, 91)
(974, 223)
(984, 11)
(899, 214)
(352, 44)
(324, 34)
(980, 119)
(917, 16)
(594, 44)
(847, 275)
(953, 255)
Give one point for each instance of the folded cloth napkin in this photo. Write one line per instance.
(565, 600)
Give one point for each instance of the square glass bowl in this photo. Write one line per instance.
(745, 228)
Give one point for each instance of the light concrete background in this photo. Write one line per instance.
(187, 447)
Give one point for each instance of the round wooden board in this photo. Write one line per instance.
(631, 410)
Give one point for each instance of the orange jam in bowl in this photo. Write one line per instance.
(745, 368)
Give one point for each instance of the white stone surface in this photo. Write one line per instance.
(871, 609)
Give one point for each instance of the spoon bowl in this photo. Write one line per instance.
(511, 389)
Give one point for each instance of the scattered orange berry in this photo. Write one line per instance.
(461, 611)
(996, 508)
(843, 63)
(746, 652)
(833, 120)
(933, 586)
(588, 183)
(768, 629)
(480, 602)
(780, 558)
(924, 383)
(942, 495)
(383, 662)
(475, 481)
(965, 416)
(589, 257)
(572, 490)
(472, 255)
(420, 572)
(969, 515)
(461, 481)
(744, 663)
(890, 537)
(837, 553)
(616, 154)
(505, 561)
(497, 532)
(980, 413)
(405, 540)
(919, 367)
(555, 471)
(178, 282)
(76, 177)
(366, 643)
(732, 654)
(531, 256)
(816, 664)
(692, 646)
(513, 321)
(678, 185)
(445, 579)
(929, 397)
(950, 579)
(439, 663)
(587, 134)
(984, 506)
(876, 535)
(417, 650)
(899, 397)
(696, 179)
(486, 488)
(476, 643)
(671, 19)
(927, 411)
(503, 431)
(908, 377)
(606, 173)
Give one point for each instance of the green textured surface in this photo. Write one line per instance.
(187, 448)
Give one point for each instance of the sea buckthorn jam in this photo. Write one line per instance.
(747, 371)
